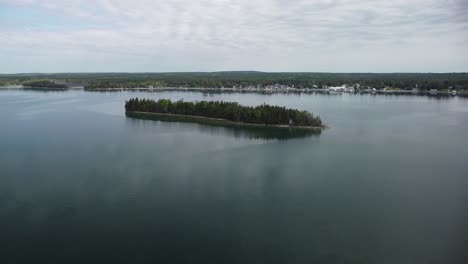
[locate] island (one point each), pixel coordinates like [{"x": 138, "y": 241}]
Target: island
[{"x": 223, "y": 112}]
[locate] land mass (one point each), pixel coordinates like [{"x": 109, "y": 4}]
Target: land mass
[
  {"x": 250, "y": 81},
  {"x": 224, "y": 113}
]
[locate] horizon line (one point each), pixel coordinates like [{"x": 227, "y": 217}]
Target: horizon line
[{"x": 224, "y": 71}]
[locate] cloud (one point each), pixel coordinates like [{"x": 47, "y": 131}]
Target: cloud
[{"x": 270, "y": 35}]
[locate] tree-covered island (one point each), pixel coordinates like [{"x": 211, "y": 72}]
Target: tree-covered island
[{"x": 230, "y": 112}]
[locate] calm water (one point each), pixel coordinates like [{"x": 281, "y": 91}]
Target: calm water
[{"x": 80, "y": 182}]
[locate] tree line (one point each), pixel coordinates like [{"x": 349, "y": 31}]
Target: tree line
[
  {"x": 421, "y": 82},
  {"x": 45, "y": 84},
  {"x": 262, "y": 114},
  {"x": 405, "y": 81}
]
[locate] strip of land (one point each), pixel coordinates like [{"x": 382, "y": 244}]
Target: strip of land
[
  {"x": 210, "y": 120},
  {"x": 252, "y": 81},
  {"x": 225, "y": 112}
]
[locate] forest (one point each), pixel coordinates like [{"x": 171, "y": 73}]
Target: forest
[
  {"x": 404, "y": 81},
  {"x": 231, "y": 111},
  {"x": 45, "y": 84}
]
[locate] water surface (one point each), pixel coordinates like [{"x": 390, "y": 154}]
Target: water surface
[{"x": 80, "y": 182}]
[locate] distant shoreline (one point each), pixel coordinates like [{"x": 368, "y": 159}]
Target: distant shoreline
[
  {"x": 452, "y": 83},
  {"x": 218, "y": 121},
  {"x": 242, "y": 90},
  {"x": 272, "y": 91}
]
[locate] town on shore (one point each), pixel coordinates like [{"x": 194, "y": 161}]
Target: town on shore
[
  {"x": 275, "y": 88},
  {"x": 278, "y": 88}
]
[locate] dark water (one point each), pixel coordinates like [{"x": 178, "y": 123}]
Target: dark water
[{"x": 81, "y": 183}]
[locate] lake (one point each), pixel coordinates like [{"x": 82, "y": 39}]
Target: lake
[{"x": 82, "y": 183}]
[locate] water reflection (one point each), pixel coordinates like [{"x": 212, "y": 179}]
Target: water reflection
[
  {"x": 265, "y": 133},
  {"x": 237, "y": 131}
]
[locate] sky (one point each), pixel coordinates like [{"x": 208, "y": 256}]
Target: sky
[{"x": 219, "y": 35}]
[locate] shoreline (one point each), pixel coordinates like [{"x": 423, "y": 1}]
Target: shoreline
[
  {"x": 273, "y": 91},
  {"x": 247, "y": 90},
  {"x": 219, "y": 121}
]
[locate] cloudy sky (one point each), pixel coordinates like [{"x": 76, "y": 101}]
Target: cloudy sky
[{"x": 213, "y": 35}]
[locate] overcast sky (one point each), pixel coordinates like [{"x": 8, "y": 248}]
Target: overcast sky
[{"x": 214, "y": 35}]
